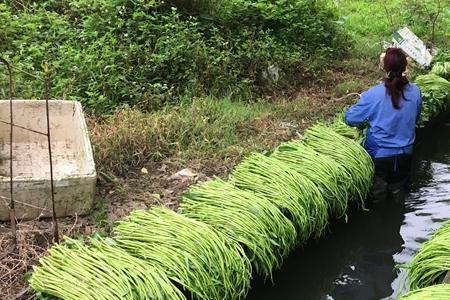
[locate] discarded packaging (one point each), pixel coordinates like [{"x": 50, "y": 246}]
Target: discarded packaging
[{"x": 413, "y": 46}]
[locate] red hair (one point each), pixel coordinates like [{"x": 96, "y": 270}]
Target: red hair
[{"x": 395, "y": 64}]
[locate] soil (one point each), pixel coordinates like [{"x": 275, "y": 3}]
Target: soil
[{"x": 158, "y": 184}]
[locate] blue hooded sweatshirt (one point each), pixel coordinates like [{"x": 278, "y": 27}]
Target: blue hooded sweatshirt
[{"x": 391, "y": 131}]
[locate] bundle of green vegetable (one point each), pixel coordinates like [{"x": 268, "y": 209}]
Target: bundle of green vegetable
[
  {"x": 441, "y": 56},
  {"x": 348, "y": 153},
  {"x": 435, "y": 93},
  {"x": 254, "y": 222},
  {"x": 339, "y": 126},
  {"x": 435, "y": 292},
  {"x": 204, "y": 261},
  {"x": 330, "y": 177},
  {"x": 432, "y": 262},
  {"x": 294, "y": 193},
  {"x": 442, "y": 69},
  {"x": 101, "y": 271}
]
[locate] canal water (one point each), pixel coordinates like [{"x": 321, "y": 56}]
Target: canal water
[{"x": 356, "y": 260}]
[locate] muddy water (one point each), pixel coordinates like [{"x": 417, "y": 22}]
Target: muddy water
[{"x": 356, "y": 260}]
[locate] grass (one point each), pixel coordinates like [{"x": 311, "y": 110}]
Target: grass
[
  {"x": 100, "y": 212},
  {"x": 205, "y": 128},
  {"x": 349, "y": 86},
  {"x": 370, "y": 23},
  {"x": 367, "y": 24},
  {"x": 129, "y": 138}
]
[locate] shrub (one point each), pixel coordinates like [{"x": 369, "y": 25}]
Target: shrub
[{"x": 108, "y": 53}]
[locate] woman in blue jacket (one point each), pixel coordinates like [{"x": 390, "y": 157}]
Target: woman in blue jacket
[{"x": 391, "y": 110}]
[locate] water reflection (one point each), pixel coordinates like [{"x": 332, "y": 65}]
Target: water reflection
[
  {"x": 426, "y": 210},
  {"x": 356, "y": 261},
  {"x": 373, "y": 261},
  {"x": 346, "y": 264}
]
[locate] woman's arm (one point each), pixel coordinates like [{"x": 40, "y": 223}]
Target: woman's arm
[
  {"x": 360, "y": 112},
  {"x": 419, "y": 106}
]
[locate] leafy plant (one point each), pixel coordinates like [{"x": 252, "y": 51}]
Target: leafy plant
[
  {"x": 428, "y": 16},
  {"x": 151, "y": 54}
]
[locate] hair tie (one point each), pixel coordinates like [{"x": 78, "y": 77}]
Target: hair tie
[{"x": 394, "y": 74}]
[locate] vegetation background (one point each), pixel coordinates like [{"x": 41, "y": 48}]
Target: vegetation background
[
  {"x": 186, "y": 74},
  {"x": 196, "y": 84}
]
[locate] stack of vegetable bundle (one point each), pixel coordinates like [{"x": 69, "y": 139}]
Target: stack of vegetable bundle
[
  {"x": 442, "y": 69},
  {"x": 254, "y": 222},
  {"x": 435, "y": 292},
  {"x": 432, "y": 262},
  {"x": 204, "y": 261},
  {"x": 339, "y": 126},
  {"x": 436, "y": 95},
  {"x": 330, "y": 177},
  {"x": 101, "y": 271},
  {"x": 270, "y": 204},
  {"x": 347, "y": 153},
  {"x": 441, "y": 64},
  {"x": 294, "y": 193}
]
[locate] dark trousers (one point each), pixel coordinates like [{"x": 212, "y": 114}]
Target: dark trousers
[{"x": 391, "y": 181}]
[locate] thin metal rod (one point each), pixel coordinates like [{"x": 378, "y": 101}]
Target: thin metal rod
[
  {"x": 11, "y": 123},
  {"x": 12, "y": 210},
  {"x": 27, "y": 73},
  {"x": 24, "y": 128},
  {"x": 52, "y": 188}
]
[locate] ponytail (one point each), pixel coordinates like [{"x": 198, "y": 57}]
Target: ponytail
[{"x": 395, "y": 64}]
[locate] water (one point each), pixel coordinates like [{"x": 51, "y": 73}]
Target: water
[{"x": 356, "y": 260}]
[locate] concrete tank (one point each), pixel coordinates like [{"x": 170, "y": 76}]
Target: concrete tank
[{"x": 73, "y": 164}]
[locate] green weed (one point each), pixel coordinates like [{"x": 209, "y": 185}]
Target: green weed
[
  {"x": 100, "y": 212},
  {"x": 370, "y": 23},
  {"x": 349, "y": 86},
  {"x": 205, "y": 129},
  {"x": 130, "y": 138}
]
